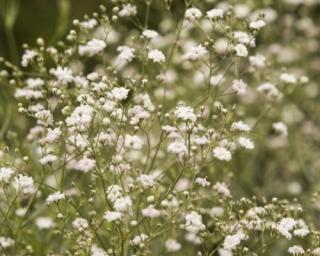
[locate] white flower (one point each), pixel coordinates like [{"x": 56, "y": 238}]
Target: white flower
[
  {"x": 196, "y": 52},
  {"x": 280, "y": 128},
  {"x": 156, "y": 56},
  {"x": 150, "y": 34},
  {"x": 215, "y": 13},
  {"x": 97, "y": 251},
  {"x": 239, "y": 87},
  {"x": 81, "y": 117},
  {"x": 258, "y": 61},
  {"x": 146, "y": 180},
  {"x": 296, "y": 250},
  {"x": 48, "y": 159},
  {"x": 55, "y": 197},
  {"x": 6, "y": 174},
  {"x": 85, "y": 165},
  {"x": 222, "y": 154},
  {"x": 246, "y": 143},
  {"x": 111, "y": 216},
  {"x": 122, "y": 204},
  {"x": 150, "y": 212},
  {"x": 316, "y": 251},
  {"x": 126, "y": 53},
  {"x": 63, "y": 74},
  {"x": 80, "y": 224},
  {"x": 6, "y": 242},
  {"x": 232, "y": 241},
  {"x": 269, "y": 89},
  {"x": 301, "y": 232},
  {"x": 44, "y": 222},
  {"x": 139, "y": 239},
  {"x": 194, "y": 222},
  {"x": 178, "y": 148},
  {"x": 193, "y": 14},
  {"x": 202, "y": 182},
  {"x": 133, "y": 142},
  {"x": 120, "y": 93},
  {"x": 89, "y": 24},
  {"x": 258, "y": 24},
  {"x": 92, "y": 47},
  {"x": 222, "y": 189},
  {"x": 114, "y": 192},
  {"x": 44, "y": 117},
  {"x": 288, "y": 78},
  {"x": 128, "y": 10},
  {"x": 23, "y": 183},
  {"x": 243, "y": 38},
  {"x": 241, "y": 50},
  {"x": 185, "y": 113},
  {"x": 27, "y": 57},
  {"x": 172, "y": 245},
  {"x": 285, "y": 225}
]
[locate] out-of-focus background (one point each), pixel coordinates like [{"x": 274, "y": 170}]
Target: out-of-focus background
[{"x": 24, "y": 21}]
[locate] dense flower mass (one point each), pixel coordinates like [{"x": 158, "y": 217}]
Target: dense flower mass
[{"x": 145, "y": 127}]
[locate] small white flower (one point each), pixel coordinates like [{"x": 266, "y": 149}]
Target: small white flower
[
  {"x": 150, "y": 34},
  {"x": 185, "y": 113},
  {"x": 178, "y": 148},
  {"x": 6, "y": 174},
  {"x": 139, "y": 239},
  {"x": 241, "y": 50},
  {"x": 280, "y": 128},
  {"x": 202, "y": 182},
  {"x": 193, "y": 14},
  {"x": 6, "y": 242},
  {"x": 246, "y": 143},
  {"x": 48, "y": 159},
  {"x": 258, "y": 61},
  {"x": 215, "y": 13},
  {"x": 23, "y": 183},
  {"x": 150, "y": 212},
  {"x": 232, "y": 241},
  {"x": 239, "y": 87},
  {"x": 63, "y": 74},
  {"x": 222, "y": 189},
  {"x": 55, "y": 197},
  {"x": 128, "y": 10},
  {"x": 288, "y": 78},
  {"x": 80, "y": 224},
  {"x": 172, "y": 245},
  {"x": 44, "y": 223},
  {"x": 285, "y": 225},
  {"x": 222, "y": 154},
  {"x": 126, "y": 53},
  {"x": 27, "y": 57},
  {"x": 194, "y": 222},
  {"x": 195, "y": 53},
  {"x": 120, "y": 93},
  {"x": 296, "y": 250},
  {"x": 92, "y": 47},
  {"x": 133, "y": 142},
  {"x": 123, "y": 204},
  {"x": 146, "y": 180},
  {"x": 258, "y": 24},
  {"x": 156, "y": 56},
  {"x": 111, "y": 216}
]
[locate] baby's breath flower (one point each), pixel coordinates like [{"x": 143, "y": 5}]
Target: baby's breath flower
[
  {"x": 296, "y": 250},
  {"x": 55, "y": 197},
  {"x": 222, "y": 154},
  {"x": 156, "y": 56}
]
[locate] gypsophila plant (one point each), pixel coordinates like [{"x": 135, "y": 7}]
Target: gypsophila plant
[{"x": 139, "y": 119}]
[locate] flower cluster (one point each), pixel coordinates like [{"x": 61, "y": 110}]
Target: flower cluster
[{"x": 138, "y": 133}]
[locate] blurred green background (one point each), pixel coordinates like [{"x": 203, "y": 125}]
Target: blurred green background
[{"x": 23, "y": 21}]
